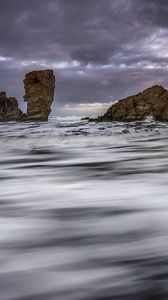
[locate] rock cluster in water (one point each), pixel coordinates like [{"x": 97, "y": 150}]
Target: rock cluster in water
[
  {"x": 39, "y": 95},
  {"x": 151, "y": 102},
  {"x": 9, "y": 110}
]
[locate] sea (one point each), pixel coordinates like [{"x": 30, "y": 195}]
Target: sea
[{"x": 83, "y": 210}]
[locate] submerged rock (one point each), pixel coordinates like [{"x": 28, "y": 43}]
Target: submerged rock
[
  {"x": 39, "y": 94},
  {"x": 9, "y": 110},
  {"x": 151, "y": 102},
  {"x": 85, "y": 119}
]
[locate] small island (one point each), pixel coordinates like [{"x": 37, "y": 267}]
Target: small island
[
  {"x": 151, "y": 102},
  {"x": 39, "y": 94}
]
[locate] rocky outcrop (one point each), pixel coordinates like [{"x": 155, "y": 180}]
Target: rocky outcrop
[
  {"x": 39, "y": 94},
  {"x": 9, "y": 110},
  {"x": 151, "y": 102}
]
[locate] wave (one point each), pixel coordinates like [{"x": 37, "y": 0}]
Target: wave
[{"x": 83, "y": 210}]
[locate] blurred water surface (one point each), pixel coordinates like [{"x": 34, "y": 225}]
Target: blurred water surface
[{"x": 83, "y": 210}]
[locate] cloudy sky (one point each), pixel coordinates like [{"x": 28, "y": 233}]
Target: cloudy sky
[{"x": 100, "y": 50}]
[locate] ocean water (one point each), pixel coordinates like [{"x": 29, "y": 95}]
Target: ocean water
[{"x": 83, "y": 210}]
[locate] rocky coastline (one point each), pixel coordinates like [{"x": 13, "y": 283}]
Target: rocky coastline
[{"x": 39, "y": 94}]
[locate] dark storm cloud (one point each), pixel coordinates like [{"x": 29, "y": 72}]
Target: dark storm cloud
[
  {"x": 97, "y": 48},
  {"x": 152, "y": 11}
]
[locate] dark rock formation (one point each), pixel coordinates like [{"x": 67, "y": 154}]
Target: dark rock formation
[
  {"x": 151, "y": 102},
  {"x": 9, "y": 110},
  {"x": 39, "y": 94}
]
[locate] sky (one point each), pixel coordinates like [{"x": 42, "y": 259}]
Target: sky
[{"x": 100, "y": 50}]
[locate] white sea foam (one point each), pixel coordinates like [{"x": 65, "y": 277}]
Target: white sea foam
[{"x": 83, "y": 210}]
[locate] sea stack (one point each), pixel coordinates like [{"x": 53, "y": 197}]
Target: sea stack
[
  {"x": 151, "y": 102},
  {"x": 39, "y": 94},
  {"x": 9, "y": 110}
]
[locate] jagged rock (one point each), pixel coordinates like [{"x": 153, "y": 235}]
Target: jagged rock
[
  {"x": 39, "y": 94},
  {"x": 85, "y": 119},
  {"x": 9, "y": 110},
  {"x": 151, "y": 102}
]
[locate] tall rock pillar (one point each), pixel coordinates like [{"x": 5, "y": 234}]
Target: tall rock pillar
[{"x": 39, "y": 94}]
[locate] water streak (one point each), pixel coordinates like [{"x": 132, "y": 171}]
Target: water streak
[{"x": 83, "y": 210}]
